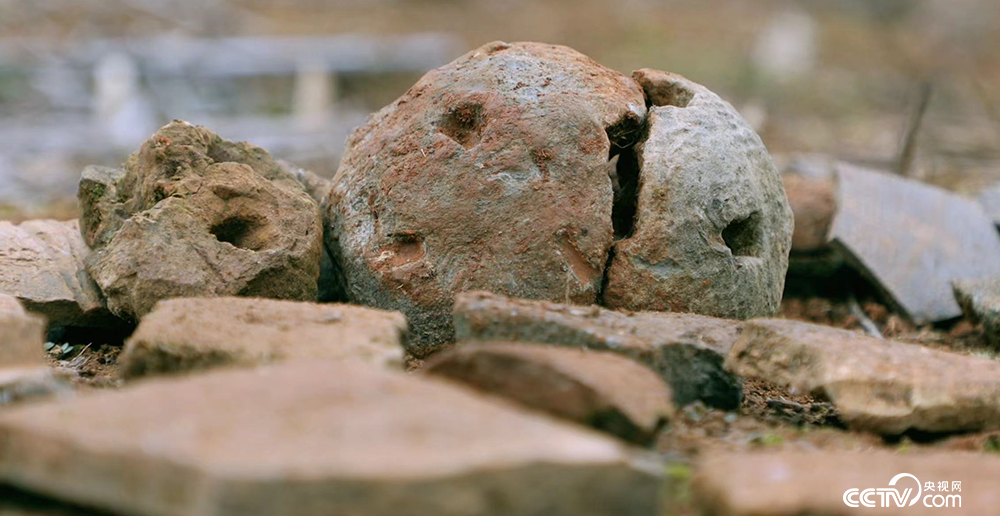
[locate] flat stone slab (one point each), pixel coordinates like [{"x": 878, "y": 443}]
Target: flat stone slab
[
  {"x": 980, "y": 300},
  {"x": 42, "y": 264},
  {"x": 687, "y": 350},
  {"x": 791, "y": 484},
  {"x": 24, "y": 375},
  {"x": 912, "y": 240},
  {"x": 989, "y": 199},
  {"x": 197, "y": 333},
  {"x": 602, "y": 389},
  {"x": 31, "y": 383},
  {"x": 315, "y": 438},
  {"x": 813, "y": 203},
  {"x": 10, "y": 304},
  {"x": 878, "y": 385},
  {"x": 21, "y": 336}
]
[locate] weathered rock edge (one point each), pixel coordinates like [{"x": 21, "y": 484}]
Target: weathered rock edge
[
  {"x": 308, "y": 438},
  {"x": 687, "y": 350},
  {"x": 193, "y": 214}
]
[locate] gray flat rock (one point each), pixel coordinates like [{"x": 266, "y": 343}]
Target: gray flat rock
[
  {"x": 793, "y": 484},
  {"x": 687, "y": 350},
  {"x": 598, "y": 388},
  {"x": 912, "y": 239},
  {"x": 42, "y": 264},
  {"x": 877, "y": 385},
  {"x": 197, "y": 333},
  {"x": 989, "y": 199},
  {"x": 24, "y": 375},
  {"x": 980, "y": 300},
  {"x": 315, "y": 438}
]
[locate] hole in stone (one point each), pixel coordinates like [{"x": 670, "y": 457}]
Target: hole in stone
[
  {"x": 464, "y": 124},
  {"x": 241, "y": 232},
  {"x": 625, "y": 185},
  {"x": 741, "y": 236}
]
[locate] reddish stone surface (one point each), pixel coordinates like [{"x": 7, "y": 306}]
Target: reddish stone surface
[{"x": 489, "y": 173}]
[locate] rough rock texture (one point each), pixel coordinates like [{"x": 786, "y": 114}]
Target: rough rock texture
[
  {"x": 489, "y": 173},
  {"x": 42, "y": 264},
  {"x": 607, "y": 391},
  {"x": 912, "y": 240},
  {"x": 311, "y": 438},
  {"x": 319, "y": 189},
  {"x": 687, "y": 350},
  {"x": 23, "y": 371},
  {"x": 794, "y": 484},
  {"x": 878, "y": 385},
  {"x": 980, "y": 300},
  {"x": 196, "y": 215},
  {"x": 813, "y": 203},
  {"x": 198, "y": 333},
  {"x": 712, "y": 227}
]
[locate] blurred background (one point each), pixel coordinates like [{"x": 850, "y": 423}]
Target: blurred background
[{"x": 86, "y": 81}]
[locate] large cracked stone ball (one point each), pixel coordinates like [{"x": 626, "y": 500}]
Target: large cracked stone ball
[
  {"x": 192, "y": 214},
  {"x": 514, "y": 170}
]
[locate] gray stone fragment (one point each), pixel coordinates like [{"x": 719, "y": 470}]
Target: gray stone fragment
[
  {"x": 687, "y": 350},
  {"x": 980, "y": 300},
  {"x": 878, "y": 385},
  {"x": 42, "y": 264},
  {"x": 24, "y": 375},
  {"x": 796, "y": 484},
  {"x": 188, "y": 334},
  {"x": 713, "y": 228},
  {"x": 316, "y": 438},
  {"x": 912, "y": 240},
  {"x": 989, "y": 199},
  {"x": 597, "y": 388},
  {"x": 197, "y": 215},
  {"x": 102, "y": 203}
]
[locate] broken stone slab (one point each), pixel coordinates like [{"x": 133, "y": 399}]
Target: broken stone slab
[
  {"x": 712, "y": 227},
  {"x": 42, "y": 264},
  {"x": 877, "y": 385},
  {"x": 813, "y": 203},
  {"x": 980, "y": 300},
  {"x": 989, "y": 200},
  {"x": 792, "y": 484},
  {"x": 912, "y": 240},
  {"x": 21, "y": 336},
  {"x": 314, "y": 437},
  {"x": 687, "y": 350},
  {"x": 10, "y": 304},
  {"x": 24, "y": 374},
  {"x": 602, "y": 389},
  {"x": 196, "y": 215},
  {"x": 198, "y": 333}
]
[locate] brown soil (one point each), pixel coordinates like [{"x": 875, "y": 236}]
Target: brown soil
[{"x": 91, "y": 366}]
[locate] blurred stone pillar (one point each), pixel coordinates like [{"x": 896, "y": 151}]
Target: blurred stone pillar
[
  {"x": 314, "y": 95},
  {"x": 121, "y": 109}
]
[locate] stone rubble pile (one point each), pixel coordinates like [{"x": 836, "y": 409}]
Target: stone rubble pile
[{"x": 576, "y": 261}]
